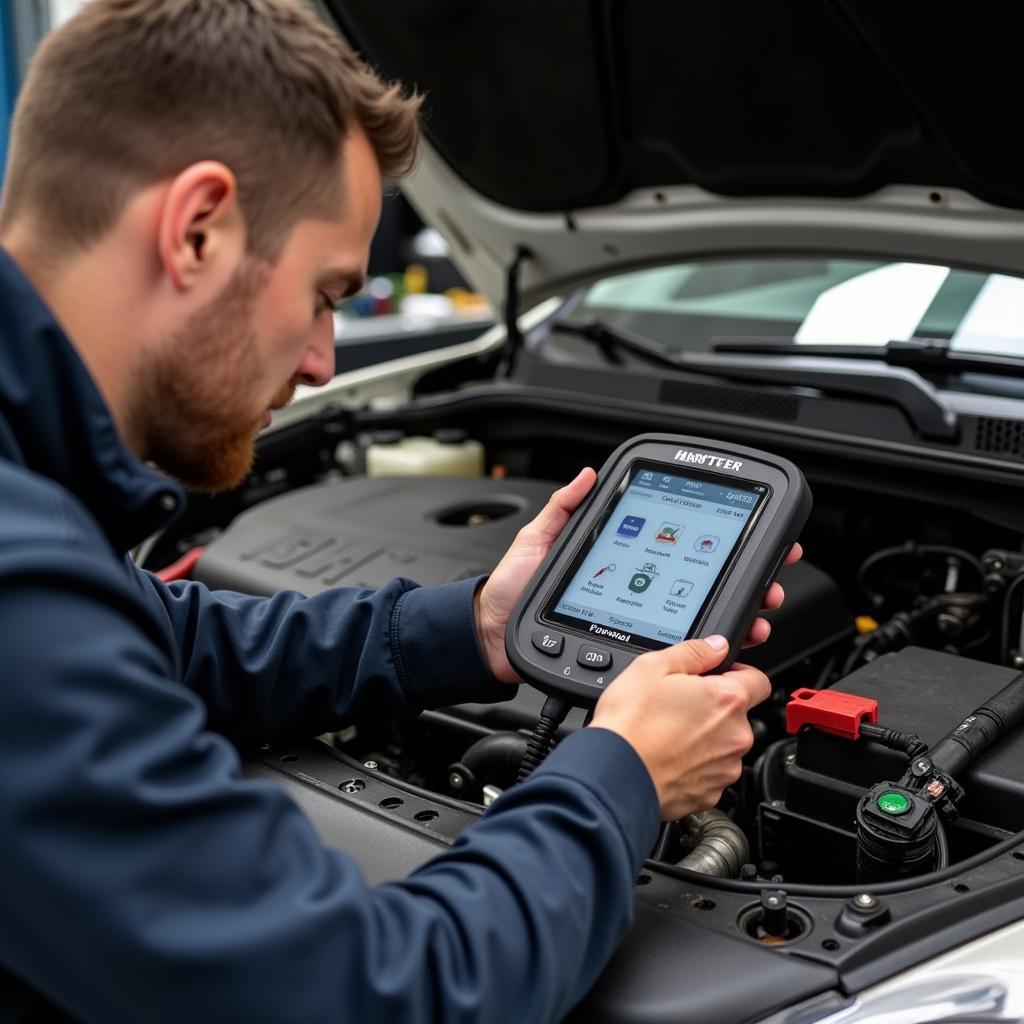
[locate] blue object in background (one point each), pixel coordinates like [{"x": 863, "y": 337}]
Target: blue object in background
[
  {"x": 22, "y": 24},
  {"x": 8, "y": 77}
]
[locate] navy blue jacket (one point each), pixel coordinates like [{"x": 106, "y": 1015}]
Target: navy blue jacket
[{"x": 141, "y": 877}]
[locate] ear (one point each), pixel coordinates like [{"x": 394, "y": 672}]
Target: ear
[{"x": 201, "y": 232}]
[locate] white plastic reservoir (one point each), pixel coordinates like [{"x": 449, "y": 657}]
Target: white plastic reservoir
[{"x": 447, "y": 453}]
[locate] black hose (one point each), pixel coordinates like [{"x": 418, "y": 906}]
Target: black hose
[
  {"x": 890, "y": 636},
  {"x": 870, "y": 562},
  {"x": 941, "y": 844},
  {"x": 769, "y": 769},
  {"x": 980, "y": 730},
  {"x": 859, "y": 646},
  {"x": 825, "y": 676},
  {"x": 494, "y": 755},
  {"x": 1004, "y": 637},
  {"x": 911, "y": 550},
  {"x": 664, "y": 842}
]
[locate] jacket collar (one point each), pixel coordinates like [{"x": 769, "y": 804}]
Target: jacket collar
[{"x": 54, "y": 421}]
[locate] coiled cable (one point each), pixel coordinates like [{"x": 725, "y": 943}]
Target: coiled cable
[{"x": 543, "y": 739}]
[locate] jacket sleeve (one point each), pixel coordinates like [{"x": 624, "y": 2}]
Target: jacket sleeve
[
  {"x": 144, "y": 879},
  {"x": 303, "y": 665}
]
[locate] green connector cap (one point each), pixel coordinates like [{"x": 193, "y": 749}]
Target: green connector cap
[{"x": 892, "y": 802}]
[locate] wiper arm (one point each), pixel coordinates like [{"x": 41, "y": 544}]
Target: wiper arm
[
  {"x": 934, "y": 355},
  {"x": 611, "y": 340},
  {"x": 899, "y": 385}
]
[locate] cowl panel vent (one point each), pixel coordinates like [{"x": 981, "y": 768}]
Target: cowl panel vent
[
  {"x": 1000, "y": 437},
  {"x": 739, "y": 402}
]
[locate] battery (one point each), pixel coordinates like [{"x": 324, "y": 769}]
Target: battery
[{"x": 927, "y": 693}]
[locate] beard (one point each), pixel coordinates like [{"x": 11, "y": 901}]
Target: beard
[{"x": 195, "y": 407}]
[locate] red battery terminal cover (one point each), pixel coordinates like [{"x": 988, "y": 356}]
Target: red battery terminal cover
[{"x": 831, "y": 711}]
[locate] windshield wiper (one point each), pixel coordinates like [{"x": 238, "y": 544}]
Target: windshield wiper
[
  {"x": 612, "y": 340},
  {"x": 900, "y": 385},
  {"x": 929, "y": 355}
]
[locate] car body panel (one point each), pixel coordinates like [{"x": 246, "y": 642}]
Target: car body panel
[{"x": 602, "y": 135}]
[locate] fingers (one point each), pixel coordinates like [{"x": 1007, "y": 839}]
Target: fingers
[
  {"x": 760, "y": 630},
  {"x": 752, "y": 681},
  {"x": 775, "y": 595},
  {"x": 694, "y": 657},
  {"x": 773, "y": 598},
  {"x": 555, "y": 514},
  {"x": 567, "y": 498}
]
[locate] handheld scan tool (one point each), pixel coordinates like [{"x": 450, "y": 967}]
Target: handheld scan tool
[{"x": 680, "y": 537}]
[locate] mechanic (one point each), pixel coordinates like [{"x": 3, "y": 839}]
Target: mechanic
[{"x": 192, "y": 185}]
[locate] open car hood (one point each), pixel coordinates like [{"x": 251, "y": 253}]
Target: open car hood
[{"x": 603, "y": 134}]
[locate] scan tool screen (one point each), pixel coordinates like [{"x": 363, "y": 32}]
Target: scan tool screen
[{"x": 656, "y": 556}]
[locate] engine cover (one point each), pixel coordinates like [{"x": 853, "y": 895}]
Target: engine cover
[{"x": 365, "y": 531}]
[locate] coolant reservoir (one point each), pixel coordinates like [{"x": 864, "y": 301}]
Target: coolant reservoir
[{"x": 446, "y": 453}]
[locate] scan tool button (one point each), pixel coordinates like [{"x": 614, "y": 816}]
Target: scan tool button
[
  {"x": 594, "y": 657},
  {"x": 548, "y": 643}
]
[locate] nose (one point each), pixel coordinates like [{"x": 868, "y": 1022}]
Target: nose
[{"x": 317, "y": 365}]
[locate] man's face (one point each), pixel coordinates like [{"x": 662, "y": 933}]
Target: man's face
[{"x": 207, "y": 390}]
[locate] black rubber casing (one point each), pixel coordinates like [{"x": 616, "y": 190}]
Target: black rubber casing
[{"x": 731, "y": 607}]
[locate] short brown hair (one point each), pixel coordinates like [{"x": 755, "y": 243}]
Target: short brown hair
[{"x": 130, "y": 92}]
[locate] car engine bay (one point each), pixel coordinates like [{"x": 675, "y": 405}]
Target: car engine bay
[{"x": 911, "y": 594}]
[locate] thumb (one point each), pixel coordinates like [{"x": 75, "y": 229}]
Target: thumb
[
  {"x": 695, "y": 657},
  {"x": 555, "y": 514}
]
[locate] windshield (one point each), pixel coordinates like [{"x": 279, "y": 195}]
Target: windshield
[{"x": 831, "y": 301}]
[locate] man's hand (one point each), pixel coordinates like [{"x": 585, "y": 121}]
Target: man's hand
[
  {"x": 691, "y": 731},
  {"x": 495, "y": 600},
  {"x": 761, "y": 629}
]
